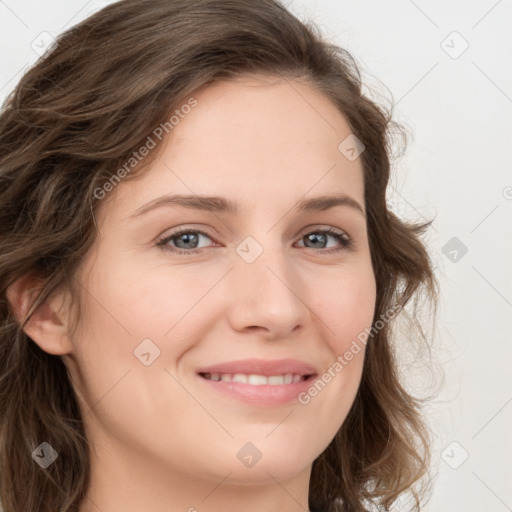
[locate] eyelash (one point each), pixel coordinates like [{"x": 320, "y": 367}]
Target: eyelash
[{"x": 345, "y": 241}]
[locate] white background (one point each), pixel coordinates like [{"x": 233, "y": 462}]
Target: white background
[{"x": 457, "y": 169}]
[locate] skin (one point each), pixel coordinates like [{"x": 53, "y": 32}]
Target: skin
[{"x": 162, "y": 439}]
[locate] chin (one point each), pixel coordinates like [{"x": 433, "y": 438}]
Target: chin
[
  {"x": 275, "y": 458},
  {"x": 280, "y": 467}
]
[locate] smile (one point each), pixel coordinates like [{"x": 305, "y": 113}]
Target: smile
[{"x": 255, "y": 379}]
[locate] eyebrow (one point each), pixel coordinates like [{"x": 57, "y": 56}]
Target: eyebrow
[{"x": 223, "y": 205}]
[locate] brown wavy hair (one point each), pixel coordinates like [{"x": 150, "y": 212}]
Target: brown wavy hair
[{"x": 74, "y": 119}]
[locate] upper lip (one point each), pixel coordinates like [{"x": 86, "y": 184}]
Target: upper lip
[{"x": 261, "y": 367}]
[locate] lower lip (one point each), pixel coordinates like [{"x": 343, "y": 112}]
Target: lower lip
[{"x": 265, "y": 395}]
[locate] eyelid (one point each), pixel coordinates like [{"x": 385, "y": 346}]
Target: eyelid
[
  {"x": 322, "y": 227},
  {"x": 166, "y": 236}
]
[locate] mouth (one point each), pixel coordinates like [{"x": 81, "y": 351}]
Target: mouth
[
  {"x": 264, "y": 383},
  {"x": 255, "y": 379}
]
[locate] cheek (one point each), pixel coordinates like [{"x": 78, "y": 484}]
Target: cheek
[
  {"x": 129, "y": 313},
  {"x": 137, "y": 301},
  {"x": 346, "y": 307},
  {"x": 176, "y": 307}
]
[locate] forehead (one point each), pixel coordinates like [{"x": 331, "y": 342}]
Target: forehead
[
  {"x": 253, "y": 139},
  {"x": 259, "y": 117}
]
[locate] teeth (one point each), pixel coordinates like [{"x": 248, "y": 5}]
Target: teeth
[{"x": 255, "y": 380}]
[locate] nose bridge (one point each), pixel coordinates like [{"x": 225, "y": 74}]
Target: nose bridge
[
  {"x": 263, "y": 258},
  {"x": 266, "y": 289}
]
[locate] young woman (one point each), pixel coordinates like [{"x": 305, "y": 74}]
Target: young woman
[{"x": 199, "y": 272}]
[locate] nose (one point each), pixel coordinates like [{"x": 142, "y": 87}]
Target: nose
[{"x": 267, "y": 296}]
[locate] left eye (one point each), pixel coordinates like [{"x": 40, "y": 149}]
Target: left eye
[
  {"x": 187, "y": 241},
  {"x": 322, "y": 236}
]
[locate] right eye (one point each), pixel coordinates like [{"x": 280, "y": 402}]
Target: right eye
[{"x": 183, "y": 237}]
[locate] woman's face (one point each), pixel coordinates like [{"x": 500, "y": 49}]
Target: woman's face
[{"x": 268, "y": 284}]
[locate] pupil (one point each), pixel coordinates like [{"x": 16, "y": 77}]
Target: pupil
[
  {"x": 187, "y": 237},
  {"x": 315, "y": 237}
]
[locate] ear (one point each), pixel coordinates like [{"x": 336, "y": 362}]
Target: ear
[{"x": 47, "y": 327}]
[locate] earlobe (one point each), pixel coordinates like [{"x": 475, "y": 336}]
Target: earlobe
[{"x": 46, "y": 327}]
